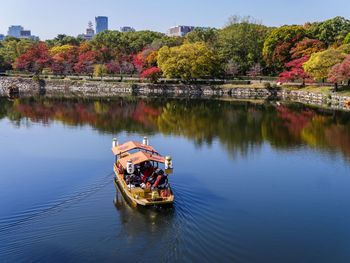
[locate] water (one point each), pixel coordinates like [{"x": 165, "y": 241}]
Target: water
[{"x": 253, "y": 182}]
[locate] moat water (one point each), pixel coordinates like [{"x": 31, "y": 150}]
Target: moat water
[{"x": 252, "y": 182}]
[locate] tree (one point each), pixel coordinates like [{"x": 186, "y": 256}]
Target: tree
[
  {"x": 279, "y": 43},
  {"x": 188, "y": 61},
  {"x": 307, "y": 47},
  {"x": 62, "y": 39},
  {"x": 242, "y": 41},
  {"x": 295, "y": 71},
  {"x": 135, "y": 42},
  {"x": 320, "y": 64},
  {"x": 255, "y": 70},
  {"x": 206, "y": 35},
  {"x": 100, "y": 70},
  {"x": 231, "y": 68},
  {"x": 35, "y": 59},
  {"x": 64, "y": 59},
  {"x": 86, "y": 61},
  {"x": 330, "y": 31},
  {"x": 340, "y": 72},
  {"x": 11, "y": 48},
  {"x": 153, "y": 74}
]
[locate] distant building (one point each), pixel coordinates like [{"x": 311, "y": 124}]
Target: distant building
[
  {"x": 101, "y": 23},
  {"x": 180, "y": 31},
  {"x": 90, "y": 32},
  {"x": 2, "y": 37},
  {"x": 127, "y": 29},
  {"x": 15, "y": 31},
  {"x": 20, "y": 32}
]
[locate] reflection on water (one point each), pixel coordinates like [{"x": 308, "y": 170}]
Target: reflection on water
[
  {"x": 252, "y": 182},
  {"x": 239, "y": 126}
]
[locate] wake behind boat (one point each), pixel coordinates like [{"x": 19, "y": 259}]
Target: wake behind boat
[{"x": 142, "y": 173}]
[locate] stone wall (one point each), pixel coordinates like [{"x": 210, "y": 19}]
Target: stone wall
[{"x": 70, "y": 88}]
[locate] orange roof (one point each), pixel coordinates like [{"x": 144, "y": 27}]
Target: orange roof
[
  {"x": 141, "y": 157},
  {"x": 131, "y": 146}
]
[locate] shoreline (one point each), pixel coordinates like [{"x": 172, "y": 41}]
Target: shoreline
[{"x": 15, "y": 86}]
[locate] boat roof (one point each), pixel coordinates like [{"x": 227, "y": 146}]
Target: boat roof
[
  {"x": 131, "y": 145},
  {"x": 140, "y": 157}
]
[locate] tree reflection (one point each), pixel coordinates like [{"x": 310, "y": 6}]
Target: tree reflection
[{"x": 238, "y": 126}]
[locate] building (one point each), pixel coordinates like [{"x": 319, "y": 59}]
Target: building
[
  {"x": 180, "y": 31},
  {"x": 15, "y": 31},
  {"x": 101, "y": 23},
  {"x": 90, "y": 32},
  {"x": 127, "y": 29},
  {"x": 2, "y": 37},
  {"x": 20, "y": 32}
]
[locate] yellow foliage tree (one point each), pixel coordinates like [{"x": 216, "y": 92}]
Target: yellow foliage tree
[
  {"x": 320, "y": 64},
  {"x": 189, "y": 61}
]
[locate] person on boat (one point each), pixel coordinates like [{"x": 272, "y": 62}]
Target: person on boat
[
  {"x": 161, "y": 181},
  {"x": 146, "y": 170}
]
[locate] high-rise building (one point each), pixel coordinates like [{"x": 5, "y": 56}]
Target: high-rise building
[
  {"x": 2, "y": 37},
  {"x": 127, "y": 29},
  {"x": 101, "y": 23},
  {"x": 15, "y": 31},
  {"x": 180, "y": 31}
]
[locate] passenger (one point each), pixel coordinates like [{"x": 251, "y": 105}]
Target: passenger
[
  {"x": 147, "y": 170},
  {"x": 161, "y": 181}
]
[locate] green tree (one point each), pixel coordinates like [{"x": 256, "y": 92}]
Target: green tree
[
  {"x": 134, "y": 42},
  {"x": 330, "y": 31},
  {"x": 242, "y": 41},
  {"x": 188, "y": 61},
  {"x": 11, "y": 48},
  {"x": 206, "y": 35},
  {"x": 320, "y": 64}
]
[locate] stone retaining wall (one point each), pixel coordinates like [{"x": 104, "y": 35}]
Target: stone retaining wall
[{"x": 69, "y": 88}]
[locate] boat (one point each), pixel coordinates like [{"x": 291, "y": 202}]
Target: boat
[{"x": 130, "y": 158}]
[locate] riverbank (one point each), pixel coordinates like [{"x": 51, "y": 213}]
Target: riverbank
[{"x": 15, "y": 86}]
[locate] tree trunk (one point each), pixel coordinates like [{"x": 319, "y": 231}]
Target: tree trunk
[{"x": 336, "y": 87}]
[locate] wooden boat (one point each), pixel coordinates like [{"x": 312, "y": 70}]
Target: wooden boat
[{"x": 129, "y": 157}]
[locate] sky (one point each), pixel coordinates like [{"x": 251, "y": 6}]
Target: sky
[{"x": 47, "y": 18}]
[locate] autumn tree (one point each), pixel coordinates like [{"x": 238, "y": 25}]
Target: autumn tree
[
  {"x": 100, "y": 70},
  {"x": 153, "y": 74},
  {"x": 35, "y": 59},
  {"x": 307, "y": 47},
  {"x": 64, "y": 59},
  {"x": 188, "y": 61},
  {"x": 320, "y": 64},
  {"x": 340, "y": 72},
  {"x": 294, "y": 71},
  {"x": 279, "y": 43}
]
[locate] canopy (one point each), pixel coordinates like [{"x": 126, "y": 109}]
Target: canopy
[
  {"x": 131, "y": 146},
  {"x": 141, "y": 157}
]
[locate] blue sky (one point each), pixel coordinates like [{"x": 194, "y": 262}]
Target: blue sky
[{"x": 47, "y": 18}]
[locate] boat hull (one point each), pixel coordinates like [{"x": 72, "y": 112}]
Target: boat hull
[{"x": 143, "y": 202}]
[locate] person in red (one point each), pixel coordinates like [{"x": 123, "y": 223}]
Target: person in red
[
  {"x": 146, "y": 170},
  {"x": 161, "y": 180}
]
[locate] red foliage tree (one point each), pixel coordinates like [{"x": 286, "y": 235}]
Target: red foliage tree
[
  {"x": 35, "y": 59},
  {"x": 86, "y": 61},
  {"x": 307, "y": 47},
  {"x": 63, "y": 62},
  {"x": 153, "y": 74},
  {"x": 340, "y": 72},
  {"x": 295, "y": 71},
  {"x": 113, "y": 67}
]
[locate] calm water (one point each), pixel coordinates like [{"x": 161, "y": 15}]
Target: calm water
[{"x": 253, "y": 183}]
